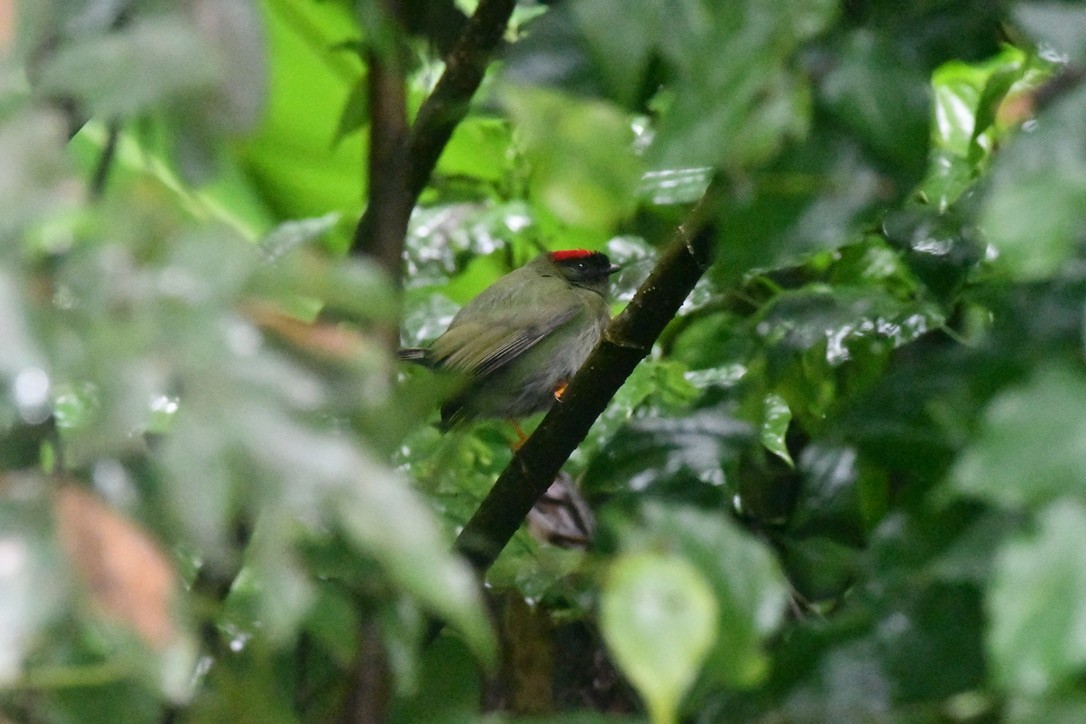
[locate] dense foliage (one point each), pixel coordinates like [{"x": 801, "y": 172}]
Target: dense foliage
[{"x": 848, "y": 483}]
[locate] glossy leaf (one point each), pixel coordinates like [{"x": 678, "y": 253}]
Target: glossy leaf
[
  {"x": 775, "y": 427},
  {"x": 661, "y": 451}
]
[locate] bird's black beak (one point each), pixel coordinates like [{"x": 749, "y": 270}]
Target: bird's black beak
[{"x": 612, "y": 269}]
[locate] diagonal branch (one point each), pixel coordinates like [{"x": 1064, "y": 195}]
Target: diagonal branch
[
  {"x": 433, "y": 127},
  {"x": 627, "y": 340}
]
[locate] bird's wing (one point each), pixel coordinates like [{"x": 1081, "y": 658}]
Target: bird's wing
[{"x": 480, "y": 348}]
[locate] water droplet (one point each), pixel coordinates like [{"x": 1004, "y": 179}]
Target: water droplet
[
  {"x": 13, "y": 557},
  {"x": 164, "y": 404},
  {"x": 238, "y": 642},
  {"x": 112, "y": 481},
  {"x": 31, "y": 392},
  {"x": 244, "y": 339}
]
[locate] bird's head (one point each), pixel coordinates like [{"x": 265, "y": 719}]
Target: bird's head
[{"x": 583, "y": 268}]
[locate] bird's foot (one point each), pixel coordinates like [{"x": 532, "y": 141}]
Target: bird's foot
[
  {"x": 560, "y": 389},
  {"x": 521, "y": 437}
]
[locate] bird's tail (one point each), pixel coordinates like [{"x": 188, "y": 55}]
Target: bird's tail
[{"x": 417, "y": 355}]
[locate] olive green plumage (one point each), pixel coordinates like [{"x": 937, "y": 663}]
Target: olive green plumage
[{"x": 523, "y": 337}]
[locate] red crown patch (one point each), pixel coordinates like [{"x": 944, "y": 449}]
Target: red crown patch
[{"x": 570, "y": 254}]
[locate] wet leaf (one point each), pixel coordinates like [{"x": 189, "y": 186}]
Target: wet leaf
[
  {"x": 651, "y": 451},
  {"x": 775, "y": 427}
]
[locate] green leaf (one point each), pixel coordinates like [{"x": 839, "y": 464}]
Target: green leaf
[
  {"x": 1035, "y": 210},
  {"x": 618, "y": 39},
  {"x": 1037, "y": 634},
  {"x": 1029, "y": 449},
  {"x": 745, "y": 579},
  {"x": 940, "y": 248},
  {"x": 33, "y": 579},
  {"x": 697, "y": 448},
  {"x": 808, "y": 199},
  {"x": 655, "y": 387},
  {"x": 775, "y": 427},
  {"x": 659, "y": 618},
  {"x": 809, "y": 331},
  {"x": 448, "y": 690},
  {"x": 583, "y": 167},
  {"x": 877, "y": 91},
  {"x": 145, "y": 64},
  {"x": 958, "y": 87},
  {"x": 479, "y": 149},
  {"x": 736, "y": 98}
]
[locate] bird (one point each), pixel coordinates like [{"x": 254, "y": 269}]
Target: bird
[{"x": 518, "y": 343}]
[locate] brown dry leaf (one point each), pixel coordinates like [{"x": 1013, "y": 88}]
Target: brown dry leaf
[
  {"x": 129, "y": 579},
  {"x": 328, "y": 341},
  {"x": 7, "y": 25}
]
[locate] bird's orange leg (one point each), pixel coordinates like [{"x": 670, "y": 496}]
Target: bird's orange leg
[
  {"x": 521, "y": 437},
  {"x": 559, "y": 390}
]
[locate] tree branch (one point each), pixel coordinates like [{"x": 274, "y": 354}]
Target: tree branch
[
  {"x": 438, "y": 117},
  {"x": 626, "y": 341},
  {"x": 389, "y": 206}
]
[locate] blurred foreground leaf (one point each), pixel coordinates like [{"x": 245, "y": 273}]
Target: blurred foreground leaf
[
  {"x": 659, "y": 619},
  {"x": 1037, "y": 638}
]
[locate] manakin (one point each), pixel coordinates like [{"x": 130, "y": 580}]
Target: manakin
[{"x": 519, "y": 342}]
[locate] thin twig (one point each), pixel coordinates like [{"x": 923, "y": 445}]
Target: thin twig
[
  {"x": 440, "y": 113},
  {"x": 105, "y": 161}
]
